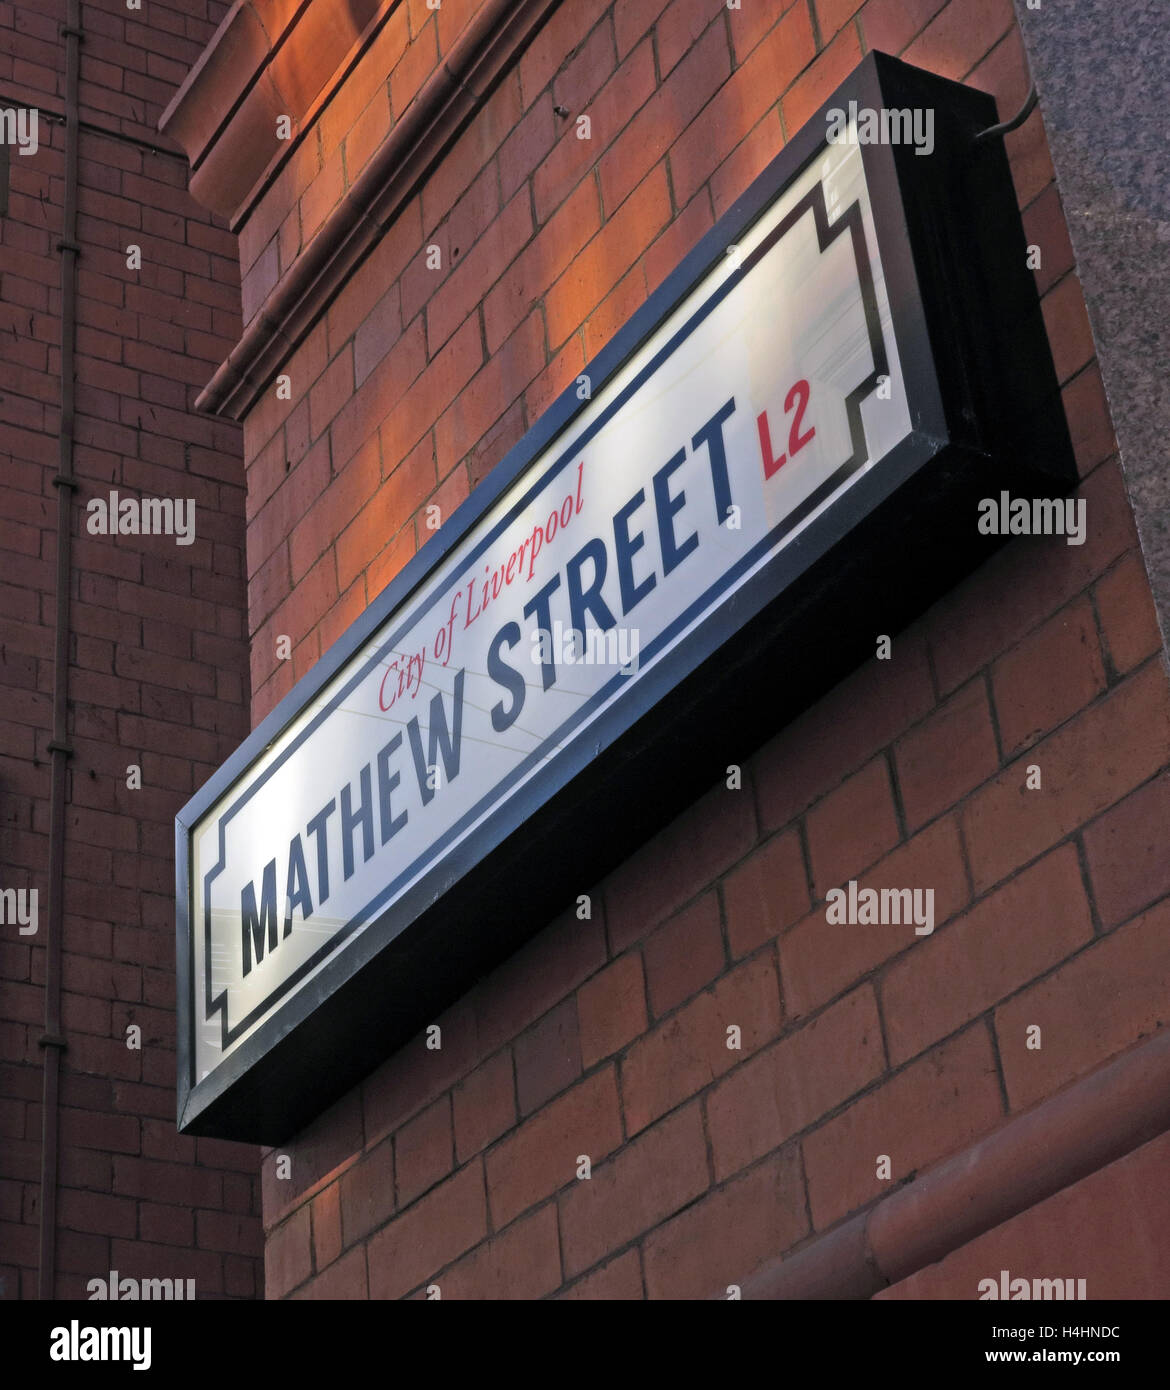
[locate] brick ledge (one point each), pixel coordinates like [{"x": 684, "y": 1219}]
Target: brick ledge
[
  {"x": 457, "y": 88},
  {"x": 1083, "y": 1128}
]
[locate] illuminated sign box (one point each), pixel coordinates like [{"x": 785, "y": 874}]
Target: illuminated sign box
[{"x": 779, "y": 458}]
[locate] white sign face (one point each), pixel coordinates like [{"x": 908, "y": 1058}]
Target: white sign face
[{"x": 772, "y": 387}]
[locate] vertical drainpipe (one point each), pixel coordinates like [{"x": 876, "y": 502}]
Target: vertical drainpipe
[{"x": 52, "y": 1042}]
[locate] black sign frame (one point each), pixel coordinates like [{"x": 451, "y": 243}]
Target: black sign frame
[{"x": 986, "y": 414}]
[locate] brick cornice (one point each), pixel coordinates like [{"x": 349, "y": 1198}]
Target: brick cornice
[
  {"x": 268, "y": 58},
  {"x": 488, "y": 44}
]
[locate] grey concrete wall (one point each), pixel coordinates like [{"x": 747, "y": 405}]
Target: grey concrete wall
[{"x": 1102, "y": 68}]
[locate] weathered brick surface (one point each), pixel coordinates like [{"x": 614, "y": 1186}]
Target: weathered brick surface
[
  {"x": 543, "y": 1156},
  {"x": 808, "y": 1073},
  {"x": 484, "y": 1105},
  {"x": 611, "y": 1008},
  {"x": 1015, "y": 934},
  {"x": 522, "y": 1262},
  {"x": 933, "y": 1107},
  {"x": 1107, "y": 998},
  {"x": 684, "y": 955},
  {"x": 662, "y": 1171},
  {"x": 620, "y": 1279},
  {"x": 690, "y": 1048},
  {"x": 447, "y": 1221},
  {"x": 158, "y": 654},
  {"x": 721, "y": 1239}
]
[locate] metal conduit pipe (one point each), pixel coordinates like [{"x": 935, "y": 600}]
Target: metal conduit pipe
[{"x": 51, "y": 1041}]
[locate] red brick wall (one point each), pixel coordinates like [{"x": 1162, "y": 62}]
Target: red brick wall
[
  {"x": 607, "y": 1037},
  {"x": 158, "y": 661}
]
